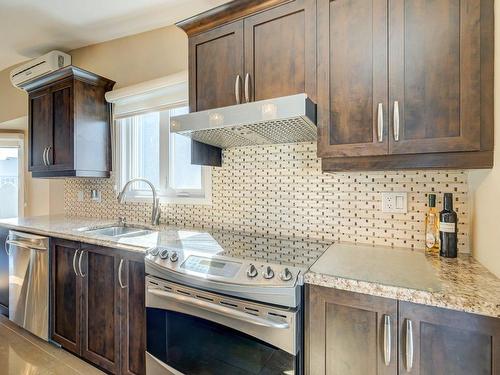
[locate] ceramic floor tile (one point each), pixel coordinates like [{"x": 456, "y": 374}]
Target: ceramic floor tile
[{"x": 23, "y": 354}]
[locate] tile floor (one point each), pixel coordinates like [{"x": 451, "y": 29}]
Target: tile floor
[{"x": 23, "y": 354}]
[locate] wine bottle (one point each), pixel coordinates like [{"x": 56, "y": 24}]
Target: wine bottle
[
  {"x": 432, "y": 226},
  {"x": 448, "y": 228}
]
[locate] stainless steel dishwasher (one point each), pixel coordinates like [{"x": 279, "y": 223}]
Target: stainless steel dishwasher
[{"x": 29, "y": 282}]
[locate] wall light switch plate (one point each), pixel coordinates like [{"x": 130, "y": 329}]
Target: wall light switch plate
[
  {"x": 396, "y": 203},
  {"x": 80, "y": 196}
]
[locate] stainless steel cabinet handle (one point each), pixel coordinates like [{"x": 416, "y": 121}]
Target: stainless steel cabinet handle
[
  {"x": 396, "y": 121},
  {"x": 409, "y": 345},
  {"x": 48, "y": 157},
  {"x": 120, "y": 269},
  {"x": 226, "y": 311},
  {"x": 6, "y": 245},
  {"x": 387, "y": 340},
  {"x": 237, "y": 89},
  {"x": 45, "y": 156},
  {"x": 74, "y": 262},
  {"x": 380, "y": 122},
  {"x": 80, "y": 264},
  {"x": 247, "y": 87}
]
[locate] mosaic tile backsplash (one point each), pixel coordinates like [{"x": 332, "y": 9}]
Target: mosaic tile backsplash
[{"x": 280, "y": 191}]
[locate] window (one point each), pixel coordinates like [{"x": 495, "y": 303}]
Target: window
[{"x": 146, "y": 148}]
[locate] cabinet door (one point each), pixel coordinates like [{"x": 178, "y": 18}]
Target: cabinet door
[
  {"x": 350, "y": 333},
  {"x": 40, "y": 128},
  {"x": 60, "y": 155},
  {"x": 215, "y": 62},
  {"x": 352, "y": 78},
  {"x": 441, "y": 341},
  {"x": 133, "y": 319},
  {"x": 280, "y": 51},
  {"x": 65, "y": 295},
  {"x": 4, "y": 273},
  {"x": 100, "y": 323},
  {"x": 434, "y": 75}
]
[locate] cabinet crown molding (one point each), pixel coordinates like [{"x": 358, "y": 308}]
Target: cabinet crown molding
[{"x": 224, "y": 14}]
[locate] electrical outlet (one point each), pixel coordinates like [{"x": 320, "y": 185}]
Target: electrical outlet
[
  {"x": 395, "y": 202},
  {"x": 95, "y": 195}
]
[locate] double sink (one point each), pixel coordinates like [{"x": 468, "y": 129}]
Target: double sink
[{"x": 118, "y": 231}]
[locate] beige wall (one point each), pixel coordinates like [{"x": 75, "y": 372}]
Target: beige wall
[
  {"x": 13, "y": 102},
  {"x": 485, "y": 186},
  {"x": 136, "y": 58}
]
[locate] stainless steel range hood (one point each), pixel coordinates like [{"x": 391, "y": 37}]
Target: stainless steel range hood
[{"x": 289, "y": 119}]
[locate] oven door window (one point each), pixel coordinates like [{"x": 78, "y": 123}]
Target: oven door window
[{"x": 193, "y": 346}]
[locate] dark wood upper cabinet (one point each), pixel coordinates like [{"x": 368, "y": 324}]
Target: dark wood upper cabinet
[
  {"x": 347, "y": 333},
  {"x": 405, "y": 84},
  {"x": 40, "y": 122},
  {"x": 66, "y": 291},
  {"x": 352, "y": 78},
  {"x": 266, "y": 51},
  {"x": 69, "y": 124},
  {"x": 435, "y": 75},
  {"x": 447, "y": 342},
  {"x": 100, "y": 308},
  {"x": 280, "y": 51},
  {"x": 215, "y": 66}
]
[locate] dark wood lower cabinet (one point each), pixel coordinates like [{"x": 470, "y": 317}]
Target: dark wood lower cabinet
[
  {"x": 345, "y": 336},
  {"x": 133, "y": 316},
  {"x": 4, "y": 274},
  {"x": 345, "y": 333},
  {"x": 101, "y": 321},
  {"x": 98, "y": 305},
  {"x": 66, "y": 290},
  {"x": 447, "y": 342}
]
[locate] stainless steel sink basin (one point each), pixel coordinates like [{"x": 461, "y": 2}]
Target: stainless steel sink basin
[{"x": 120, "y": 231}]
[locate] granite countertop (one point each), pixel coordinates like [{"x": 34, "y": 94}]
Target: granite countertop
[
  {"x": 73, "y": 229},
  {"x": 296, "y": 252},
  {"x": 461, "y": 284},
  {"x": 407, "y": 275}
]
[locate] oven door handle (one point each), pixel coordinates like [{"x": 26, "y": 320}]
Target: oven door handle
[{"x": 226, "y": 311}]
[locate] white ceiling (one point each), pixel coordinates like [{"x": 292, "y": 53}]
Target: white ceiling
[{"x": 29, "y": 28}]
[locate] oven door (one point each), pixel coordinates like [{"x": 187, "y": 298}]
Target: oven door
[{"x": 190, "y": 332}]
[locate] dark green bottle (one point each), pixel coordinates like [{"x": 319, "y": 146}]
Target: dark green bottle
[{"x": 448, "y": 228}]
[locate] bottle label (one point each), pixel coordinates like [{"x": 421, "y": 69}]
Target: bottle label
[
  {"x": 447, "y": 227},
  {"x": 430, "y": 240}
]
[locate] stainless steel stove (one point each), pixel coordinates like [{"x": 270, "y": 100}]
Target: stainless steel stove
[{"x": 216, "y": 305}]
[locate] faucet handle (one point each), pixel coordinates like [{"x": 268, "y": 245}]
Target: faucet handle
[{"x": 121, "y": 220}]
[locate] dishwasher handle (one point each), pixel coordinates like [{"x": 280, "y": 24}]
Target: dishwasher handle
[{"x": 24, "y": 245}]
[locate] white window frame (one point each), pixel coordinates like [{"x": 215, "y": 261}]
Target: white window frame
[{"x": 165, "y": 192}]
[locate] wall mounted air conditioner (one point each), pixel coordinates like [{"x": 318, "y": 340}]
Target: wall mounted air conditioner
[{"x": 40, "y": 66}]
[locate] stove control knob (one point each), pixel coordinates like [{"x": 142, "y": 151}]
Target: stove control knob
[
  {"x": 154, "y": 252},
  {"x": 268, "y": 273},
  {"x": 174, "y": 257},
  {"x": 252, "y": 271},
  {"x": 286, "y": 275},
  {"x": 164, "y": 254}
]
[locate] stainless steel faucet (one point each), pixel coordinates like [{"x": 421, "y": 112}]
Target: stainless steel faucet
[{"x": 156, "y": 213}]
